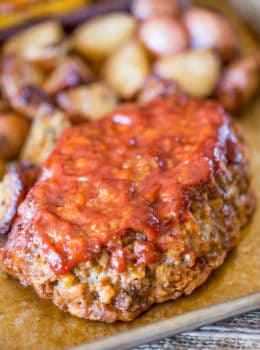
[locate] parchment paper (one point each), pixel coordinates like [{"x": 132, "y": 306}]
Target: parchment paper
[{"x": 26, "y": 322}]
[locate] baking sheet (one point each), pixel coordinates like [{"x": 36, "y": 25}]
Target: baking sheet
[{"x": 26, "y": 322}]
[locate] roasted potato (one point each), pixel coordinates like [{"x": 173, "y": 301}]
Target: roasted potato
[
  {"x": 239, "y": 82},
  {"x": 11, "y": 194},
  {"x": 39, "y": 44},
  {"x": 34, "y": 100},
  {"x": 91, "y": 102},
  {"x": 45, "y": 131},
  {"x": 13, "y": 188},
  {"x": 48, "y": 58},
  {"x": 13, "y": 131},
  {"x": 17, "y": 73},
  {"x": 163, "y": 36},
  {"x": 144, "y": 9},
  {"x": 197, "y": 72},
  {"x": 70, "y": 72},
  {"x": 127, "y": 68},
  {"x": 100, "y": 36},
  {"x": 210, "y": 30},
  {"x": 16, "y": 76}
]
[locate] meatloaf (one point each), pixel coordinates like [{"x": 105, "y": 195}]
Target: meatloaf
[{"x": 135, "y": 209}]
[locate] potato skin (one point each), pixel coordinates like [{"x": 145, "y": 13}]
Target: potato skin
[
  {"x": 210, "y": 30},
  {"x": 163, "y": 36},
  {"x": 13, "y": 131}
]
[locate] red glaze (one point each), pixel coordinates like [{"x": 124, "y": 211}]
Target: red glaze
[{"x": 128, "y": 171}]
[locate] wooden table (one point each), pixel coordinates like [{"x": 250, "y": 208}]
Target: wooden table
[{"x": 241, "y": 332}]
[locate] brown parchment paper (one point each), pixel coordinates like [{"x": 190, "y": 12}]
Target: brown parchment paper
[{"x": 26, "y": 322}]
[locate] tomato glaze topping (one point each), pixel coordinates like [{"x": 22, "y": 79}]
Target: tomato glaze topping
[{"x": 128, "y": 172}]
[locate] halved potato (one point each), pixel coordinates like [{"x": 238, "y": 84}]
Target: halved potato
[
  {"x": 92, "y": 101},
  {"x": 47, "y": 58},
  {"x": 143, "y": 9},
  {"x": 43, "y": 135},
  {"x": 11, "y": 195},
  {"x": 16, "y": 76},
  {"x": 127, "y": 68},
  {"x": 13, "y": 131},
  {"x": 40, "y": 44},
  {"x": 70, "y": 72},
  {"x": 197, "y": 72},
  {"x": 13, "y": 188},
  {"x": 16, "y": 73},
  {"x": 239, "y": 82},
  {"x": 99, "y": 37},
  {"x": 39, "y": 35}
]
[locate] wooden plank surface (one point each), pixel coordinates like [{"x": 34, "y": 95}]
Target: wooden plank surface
[
  {"x": 187, "y": 322},
  {"x": 241, "y": 332}
]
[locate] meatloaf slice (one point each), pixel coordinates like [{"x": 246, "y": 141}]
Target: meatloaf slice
[{"x": 134, "y": 209}]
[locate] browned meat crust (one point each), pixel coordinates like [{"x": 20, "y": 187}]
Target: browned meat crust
[{"x": 93, "y": 289}]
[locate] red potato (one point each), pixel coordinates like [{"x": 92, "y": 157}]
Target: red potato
[
  {"x": 239, "y": 82},
  {"x": 209, "y": 29},
  {"x": 144, "y": 9},
  {"x": 163, "y": 36},
  {"x": 13, "y": 131}
]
